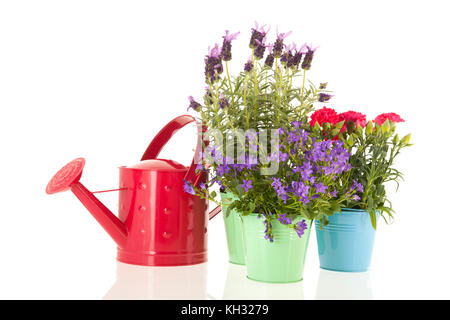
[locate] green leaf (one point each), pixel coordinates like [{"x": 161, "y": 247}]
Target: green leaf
[
  {"x": 317, "y": 126},
  {"x": 359, "y": 130},
  {"x": 386, "y": 126},
  {"x": 251, "y": 208},
  {"x": 373, "y": 219},
  {"x": 369, "y": 203},
  {"x": 369, "y": 127},
  {"x": 340, "y": 124},
  {"x": 396, "y": 139},
  {"x": 405, "y": 139},
  {"x": 335, "y": 132},
  {"x": 350, "y": 140},
  {"x": 227, "y": 210}
]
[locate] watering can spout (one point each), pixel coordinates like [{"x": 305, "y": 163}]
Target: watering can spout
[
  {"x": 112, "y": 225},
  {"x": 68, "y": 178}
]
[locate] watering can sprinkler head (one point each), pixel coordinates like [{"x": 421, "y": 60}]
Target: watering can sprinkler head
[{"x": 68, "y": 177}]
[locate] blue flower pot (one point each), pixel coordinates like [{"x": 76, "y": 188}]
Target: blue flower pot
[{"x": 346, "y": 243}]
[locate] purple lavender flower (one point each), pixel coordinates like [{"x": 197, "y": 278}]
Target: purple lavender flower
[
  {"x": 258, "y": 33},
  {"x": 291, "y": 60},
  {"x": 226, "y": 46},
  {"x": 259, "y": 50},
  {"x": 283, "y": 219},
  {"x": 208, "y": 98},
  {"x": 249, "y": 65},
  {"x": 297, "y": 58},
  {"x": 323, "y": 97},
  {"x": 223, "y": 102},
  {"x": 323, "y": 85},
  {"x": 300, "y": 227},
  {"x": 193, "y": 104},
  {"x": 247, "y": 185},
  {"x": 188, "y": 187},
  {"x": 356, "y": 197},
  {"x": 270, "y": 57},
  {"x": 278, "y": 45},
  {"x": 202, "y": 186},
  {"x": 306, "y": 65},
  {"x": 213, "y": 63},
  {"x": 286, "y": 57}
]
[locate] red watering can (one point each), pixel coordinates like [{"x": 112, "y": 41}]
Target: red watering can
[{"x": 159, "y": 224}]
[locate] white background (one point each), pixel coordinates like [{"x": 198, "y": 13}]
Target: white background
[{"x": 98, "y": 79}]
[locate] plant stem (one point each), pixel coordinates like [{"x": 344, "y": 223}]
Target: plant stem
[
  {"x": 276, "y": 88},
  {"x": 229, "y": 82},
  {"x": 303, "y": 86},
  {"x": 245, "y": 100}
]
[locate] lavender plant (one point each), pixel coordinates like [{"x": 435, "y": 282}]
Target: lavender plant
[{"x": 270, "y": 92}]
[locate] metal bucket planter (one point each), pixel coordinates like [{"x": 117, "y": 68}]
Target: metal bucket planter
[
  {"x": 346, "y": 243},
  {"x": 233, "y": 231},
  {"x": 280, "y": 261}
]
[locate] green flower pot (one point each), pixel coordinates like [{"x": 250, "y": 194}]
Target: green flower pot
[
  {"x": 280, "y": 261},
  {"x": 233, "y": 230}
]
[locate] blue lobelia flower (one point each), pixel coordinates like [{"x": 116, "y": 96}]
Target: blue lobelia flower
[
  {"x": 320, "y": 187},
  {"x": 300, "y": 227},
  {"x": 247, "y": 185},
  {"x": 283, "y": 219},
  {"x": 188, "y": 187},
  {"x": 357, "y": 186}
]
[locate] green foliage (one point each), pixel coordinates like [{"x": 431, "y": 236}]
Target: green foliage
[
  {"x": 262, "y": 98},
  {"x": 373, "y": 150}
]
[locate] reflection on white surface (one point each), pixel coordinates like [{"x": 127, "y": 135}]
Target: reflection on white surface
[
  {"x": 239, "y": 287},
  {"x": 344, "y": 285},
  {"x": 140, "y": 282}
]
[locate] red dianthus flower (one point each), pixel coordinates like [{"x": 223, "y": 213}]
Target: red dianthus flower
[
  {"x": 353, "y": 116},
  {"x": 324, "y": 115},
  {"x": 380, "y": 119}
]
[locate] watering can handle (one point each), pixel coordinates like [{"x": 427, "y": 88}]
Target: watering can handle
[{"x": 164, "y": 135}]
